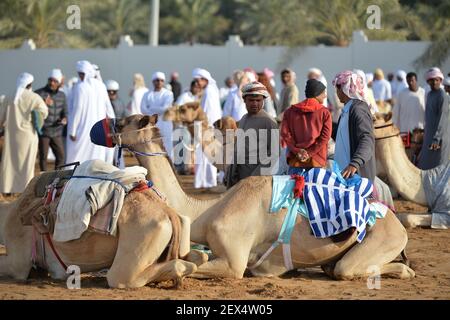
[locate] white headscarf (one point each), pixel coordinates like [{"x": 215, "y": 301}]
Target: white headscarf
[
  {"x": 86, "y": 67},
  {"x": 97, "y": 73},
  {"x": 202, "y": 73},
  {"x": 159, "y": 75},
  {"x": 400, "y": 85},
  {"x": 56, "y": 74},
  {"x": 23, "y": 81},
  {"x": 211, "y": 98}
]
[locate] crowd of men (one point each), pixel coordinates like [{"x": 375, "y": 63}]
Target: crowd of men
[{"x": 59, "y": 117}]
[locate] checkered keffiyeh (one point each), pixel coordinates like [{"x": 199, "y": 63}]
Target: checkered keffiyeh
[{"x": 255, "y": 88}]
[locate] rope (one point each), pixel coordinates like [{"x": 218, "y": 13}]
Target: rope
[{"x": 101, "y": 178}]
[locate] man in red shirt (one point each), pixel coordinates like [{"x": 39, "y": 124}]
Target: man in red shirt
[{"x": 306, "y": 130}]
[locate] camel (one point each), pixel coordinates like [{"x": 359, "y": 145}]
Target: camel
[
  {"x": 238, "y": 229},
  {"x": 404, "y": 176},
  {"x": 215, "y": 143},
  {"x": 134, "y": 258}
]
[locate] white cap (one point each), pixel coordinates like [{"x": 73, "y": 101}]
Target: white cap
[
  {"x": 112, "y": 85},
  {"x": 56, "y": 74},
  {"x": 447, "y": 81},
  {"x": 158, "y": 75}
]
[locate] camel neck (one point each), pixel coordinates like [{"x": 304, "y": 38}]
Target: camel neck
[
  {"x": 403, "y": 175},
  {"x": 161, "y": 173}
]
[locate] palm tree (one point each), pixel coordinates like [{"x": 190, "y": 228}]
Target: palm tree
[
  {"x": 272, "y": 22},
  {"x": 107, "y": 20},
  {"x": 437, "y": 19},
  {"x": 194, "y": 21},
  {"x": 44, "y": 21}
]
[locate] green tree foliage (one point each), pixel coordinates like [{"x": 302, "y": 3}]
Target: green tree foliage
[
  {"x": 44, "y": 21},
  {"x": 293, "y": 23},
  {"x": 194, "y": 21}
]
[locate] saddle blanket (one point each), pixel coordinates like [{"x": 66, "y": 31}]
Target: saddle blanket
[
  {"x": 95, "y": 185},
  {"x": 331, "y": 204}
]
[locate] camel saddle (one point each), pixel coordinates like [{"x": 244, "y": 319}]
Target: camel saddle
[
  {"x": 36, "y": 208},
  {"x": 47, "y": 178}
]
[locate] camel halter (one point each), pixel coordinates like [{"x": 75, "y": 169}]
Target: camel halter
[
  {"x": 128, "y": 147},
  {"x": 386, "y": 126}
]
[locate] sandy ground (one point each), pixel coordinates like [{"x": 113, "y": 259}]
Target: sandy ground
[{"x": 427, "y": 249}]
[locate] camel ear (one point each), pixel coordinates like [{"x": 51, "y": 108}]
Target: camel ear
[
  {"x": 196, "y": 105},
  {"x": 218, "y": 124},
  {"x": 146, "y": 120}
]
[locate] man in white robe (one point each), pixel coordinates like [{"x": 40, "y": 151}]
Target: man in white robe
[
  {"x": 21, "y": 139},
  {"x": 191, "y": 95},
  {"x": 157, "y": 102},
  {"x": 234, "y": 104},
  {"x": 409, "y": 111},
  {"x": 104, "y": 108},
  {"x": 89, "y": 105},
  {"x": 205, "y": 172},
  {"x": 139, "y": 89},
  {"x": 382, "y": 91}
]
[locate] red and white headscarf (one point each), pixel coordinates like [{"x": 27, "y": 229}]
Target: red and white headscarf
[
  {"x": 434, "y": 73},
  {"x": 352, "y": 84}
]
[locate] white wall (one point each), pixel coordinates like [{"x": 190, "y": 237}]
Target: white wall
[{"x": 122, "y": 62}]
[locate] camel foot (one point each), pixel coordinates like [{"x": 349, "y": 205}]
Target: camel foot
[
  {"x": 197, "y": 257},
  {"x": 329, "y": 269}
]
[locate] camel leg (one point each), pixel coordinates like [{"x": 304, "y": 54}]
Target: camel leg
[
  {"x": 139, "y": 248},
  {"x": 17, "y": 262},
  {"x": 185, "y": 238},
  {"x": 381, "y": 246},
  {"x": 232, "y": 254}
]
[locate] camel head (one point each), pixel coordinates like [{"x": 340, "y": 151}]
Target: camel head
[
  {"x": 226, "y": 123},
  {"x": 190, "y": 112},
  {"x": 135, "y": 129},
  {"x": 385, "y": 130},
  {"x": 172, "y": 114}
]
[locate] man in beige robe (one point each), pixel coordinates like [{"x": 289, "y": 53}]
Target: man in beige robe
[
  {"x": 21, "y": 139},
  {"x": 289, "y": 95}
]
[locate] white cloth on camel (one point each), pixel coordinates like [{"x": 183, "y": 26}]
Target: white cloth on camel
[{"x": 83, "y": 197}]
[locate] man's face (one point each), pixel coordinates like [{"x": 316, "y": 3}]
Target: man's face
[
  {"x": 196, "y": 89},
  {"x": 434, "y": 83},
  {"x": 112, "y": 94},
  {"x": 202, "y": 82},
  {"x": 158, "y": 84},
  {"x": 286, "y": 78},
  {"x": 53, "y": 84},
  {"x": 390, "y": 77},
  {"x": 81, "y": 75},
  {"x": 229, "y": 82},
  {"x": 341, "y": 95},
  {"x": 254, "y": 103},
  {"x": 412, "y": 83},
  {"x": 447, "y": 89}
]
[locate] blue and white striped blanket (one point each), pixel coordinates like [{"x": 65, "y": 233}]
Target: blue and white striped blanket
[{"x": 335, "y": 206}]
